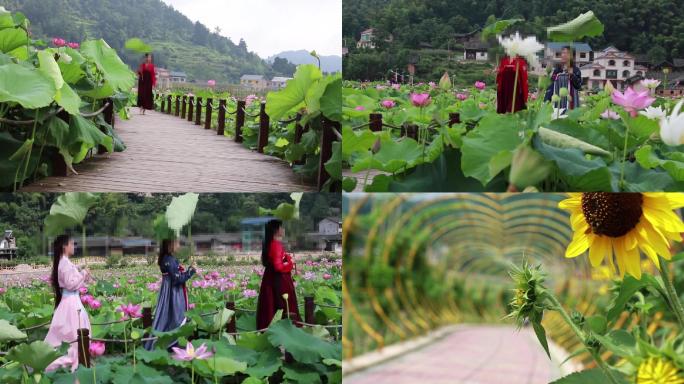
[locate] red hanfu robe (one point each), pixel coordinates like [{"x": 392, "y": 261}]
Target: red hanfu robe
[
  {"x": 505, "y": 78},
  {"x": 147, "y": 79},
  {"x": 277, "y": 280}
]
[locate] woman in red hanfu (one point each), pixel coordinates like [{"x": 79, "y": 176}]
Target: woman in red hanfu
[
  {"x": 277, "y": 279},
  {"x": 147, "y": 79},
  {"x": 505, "y": 82}
]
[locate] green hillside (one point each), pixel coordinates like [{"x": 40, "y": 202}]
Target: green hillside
[{"x": 179, "y": 43}]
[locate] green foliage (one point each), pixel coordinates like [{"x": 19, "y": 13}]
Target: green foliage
[
  {"x": 584, "y": 25},
  {"x": 137, "y": 45},
  {"x": 69, "y": 211},
  {"x": 180, "y": 211}
]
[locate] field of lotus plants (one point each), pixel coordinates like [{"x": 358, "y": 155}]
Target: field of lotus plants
[
  {"x": 433, "y": 137},
  {"x": 208, "y": 353}
]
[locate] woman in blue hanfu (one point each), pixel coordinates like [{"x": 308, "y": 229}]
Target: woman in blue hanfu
[
  {"x": 566, "y": 82},
  {"x": 173, "y": 294}
]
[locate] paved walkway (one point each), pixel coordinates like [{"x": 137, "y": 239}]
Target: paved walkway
[
  {"x": 470, "y": 355},
  {"x": 168, "y": 154}
]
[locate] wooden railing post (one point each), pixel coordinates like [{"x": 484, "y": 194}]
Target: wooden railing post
[
  {"x": 454, "y": 118},
  {"x": 177, "y": 112},
  {"x": 168, "y": 104},
  {"x": 83, "y": 340},
  {"x": 299, "y": 132},
  {"x": 240, "y": 120},
  {"x": 184, "y": 107},
  {"x": 375, "y": 122},
  {"x": 230, "y": 326},
  {"x": 163, "y": 105},
  {"x": 207, "y": 114},
  {"x": 327, "y": 138},
  {"x": 264, "y": 123},
  {"x": 147, "y": 317},
  {"x": 410, "y": 130},
  {"x": 309, "y": 310},
  {"x": 191, "y": 106},
  {"x": 198, "y": 111},
  {"x": 221, "y": 129}
]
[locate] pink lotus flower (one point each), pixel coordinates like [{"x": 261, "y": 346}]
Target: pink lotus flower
[
  {"x": 189, "y": 353},
  {"x": 86, "y": 299},
  {"x": 116, "y": 285},
  {"x": 74, "y": 45},
  {"x": 396, "y": 87},
  {"x": 58, "y": 42},
  {"x": 483, "y": 106},
  {"x": 432, "y": 84},
  {"x": 420, "y": 99},
  {"x": 461, "y": 96},
  {"x": 83, "y": 290},
  {"x": 609, "y": 114},
  {"x": 250, "y": 99},
  {"x": 95, "y": 304},
  {"x": 211, "y": 83},
  {"x": 631, "y": 100},
  {"x": 309, "y": 275},
  {"x": 480, "y": 85},
  {"x": 2, "y": 290},
  {"x": 533, "y": 96},
  {"x": 388, "y": 104},
  {"x": 650, "y": 83},
  {"x": 215, "y": 275},
  {"x": 380, "y": 87},
  {"x": 153, "y": 287},
  {"x": 327, "y": 276},
  {"x": 191, "y": 306},
  {"x": 97, "y": 348},
  {"x": 249, "y": 293},
  {"x": 129, "y": 310},
  {"x": 360, "y": 108}
]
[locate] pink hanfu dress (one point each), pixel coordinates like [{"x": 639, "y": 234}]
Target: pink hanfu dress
[{"x": 65, "y": 320}]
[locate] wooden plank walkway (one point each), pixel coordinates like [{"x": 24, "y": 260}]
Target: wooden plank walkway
[{"x": 168, "y": 154}]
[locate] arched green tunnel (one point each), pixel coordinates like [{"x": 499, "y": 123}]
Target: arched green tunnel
[{"x": 414, "y": 262}]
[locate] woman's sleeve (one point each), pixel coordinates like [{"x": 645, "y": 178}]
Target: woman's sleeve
[
  {"x": 177, "y": 277},
  {"x": 70, "y": 277},
  {"x": 276, "y": 254}
]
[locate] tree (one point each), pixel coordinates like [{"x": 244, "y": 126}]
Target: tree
[
  {"x": 657, "y": 54},
  {"x": 283, "y": 67}
]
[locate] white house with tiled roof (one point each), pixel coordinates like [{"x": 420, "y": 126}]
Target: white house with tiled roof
[
  {"x": 366, "y": 40},
  {"x": 612, "y": 65}
]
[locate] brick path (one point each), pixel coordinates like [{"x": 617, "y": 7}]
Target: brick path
[{"x": 470, "y": 355}]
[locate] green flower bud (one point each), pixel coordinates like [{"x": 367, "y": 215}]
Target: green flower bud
[
  {"x": 563, "y": 92},
  {"x": 555, "y": 98},
  {"x": 528, "y": 167}
]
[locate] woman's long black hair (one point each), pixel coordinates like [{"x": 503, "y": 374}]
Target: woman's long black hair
[
  {"x": 146, "y": 56},
  {"x": 269, "y": 233},
  {"x": 164, "y": 249},
  {"x": 57, "y": 249}
]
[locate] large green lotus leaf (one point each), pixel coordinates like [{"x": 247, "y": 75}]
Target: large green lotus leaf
[
  {"x": 298, "y": 373},
  {"x": 12, "y": 38},
  {"x": 249, "y": 380},
  {"x": 586, "y": 24},
  {"x": 331, "y": 101},
  {"x": 49, "y": 67},
  {"x": 594, "y": 375},
  {"x": 71, "y": 72},
  {"x": 68, "y": 211},
  {"x": 392, "y": 156},
  {"x": 269, "y": 362},
  {"x": 674, "y": 164},
  {"x": 281, "y": 102},
  {"x": 37, "y": 355},
  {"x": 220, "y": 319},
  {"x": 84, "y": 133},
  {"x": 137, "y": 45},
  {"x": 304, "y": 347},
  {"x": 10, "y": 332},
  {"x": 99, "y": 93},
  {"x": 161, "y": 228},
  {"x": 334, "y": 165},
  {"x": 219, "y": 366},
  {"x": 115, "y": 71},
  {"x": 8, "y": 168},
  {"x": 356, "y": 142},
  {"x": 20, "y": 53},
  {"x": 181, "y": 210},
  {"x": 28, "y": 87},
  {"x": 254, "y": 341},
  {"x": 68, "y": 99},
  {"x": 486, "y": 148},
  {"x": 140, "y": 374},
  {"x": 497, "y": 27}
]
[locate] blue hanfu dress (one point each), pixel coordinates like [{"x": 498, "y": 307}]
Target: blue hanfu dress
[{"x": 173, "y": 297}]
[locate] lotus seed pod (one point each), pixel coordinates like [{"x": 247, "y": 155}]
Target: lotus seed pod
[
  {"x": 563, "y": 92},
  {"x": 555, "y": 98}
]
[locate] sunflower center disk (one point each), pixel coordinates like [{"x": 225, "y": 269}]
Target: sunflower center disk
[{"x": 612, "y": 214}]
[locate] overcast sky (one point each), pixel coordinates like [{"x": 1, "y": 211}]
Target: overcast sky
[{"x": 271, "y": 26}]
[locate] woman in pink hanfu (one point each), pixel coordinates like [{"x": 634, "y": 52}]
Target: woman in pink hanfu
[{"x": 69, "y": 315}]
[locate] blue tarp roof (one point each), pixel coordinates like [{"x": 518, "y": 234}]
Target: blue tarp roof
[
  {"x": 579, "y": 47},
  {"x": 256, "y": 220}
]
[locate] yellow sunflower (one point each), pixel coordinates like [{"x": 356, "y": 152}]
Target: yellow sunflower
[
  {"x": 622, "y": 224},
  {"x": 658, "y": 371}
]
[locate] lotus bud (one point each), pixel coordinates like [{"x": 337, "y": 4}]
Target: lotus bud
[
  {"x": 531, "y": 189},
  {"x": 285, "y": 296},
  {"x": 528, "y": 167},
  {"x": 563, "y": 92},
  {"x": 555, "y": 98},
  {"x": 445, "y": 82},
  {"x": 376, "y": 146},
  {"x": 609, "y": 88}
]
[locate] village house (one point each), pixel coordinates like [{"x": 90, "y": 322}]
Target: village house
[
  {"x": 254, "y": 82},
  {"x": 475, "y": 50},
  {"x": 163, "y": 78},
  {"x": 279, "y": 82},
  {"x": 611, "y": 65},
  {"x": 178, "y": 77},
  {"x": 328, "y": 237},
  {"x": 366, "y": 40}
]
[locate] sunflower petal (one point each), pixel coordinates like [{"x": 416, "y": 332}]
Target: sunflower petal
[{"x": 580, "y": 242}]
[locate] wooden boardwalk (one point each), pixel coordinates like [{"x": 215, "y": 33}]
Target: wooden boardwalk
[{"x": 168, "y": 154}]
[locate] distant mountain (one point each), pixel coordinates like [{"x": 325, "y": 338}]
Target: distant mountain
[
  {"x": 179, "y": 44},
  {"x": 331, "y": 63}
]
